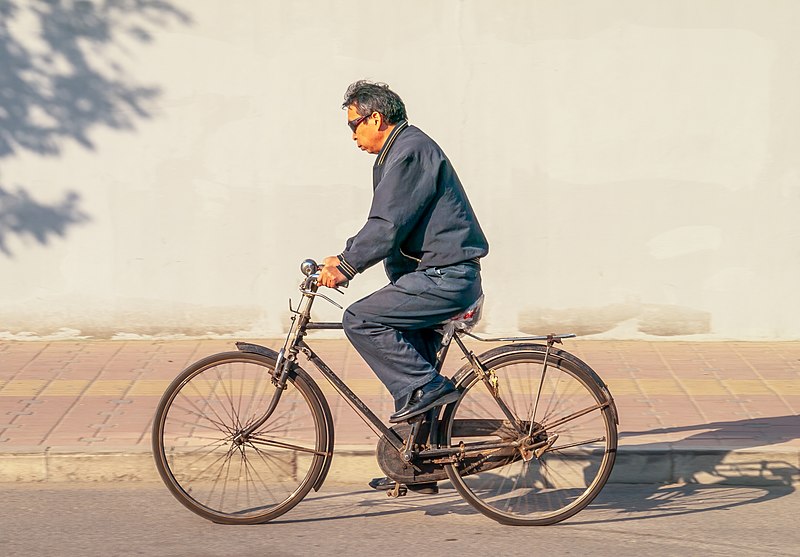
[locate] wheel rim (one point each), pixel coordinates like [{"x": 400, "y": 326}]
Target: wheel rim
[
  {"x": 579, "y": 452},
  {"x": 226, "y": 478}
]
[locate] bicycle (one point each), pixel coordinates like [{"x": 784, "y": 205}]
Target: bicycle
[{"x": 241, "y": 437}]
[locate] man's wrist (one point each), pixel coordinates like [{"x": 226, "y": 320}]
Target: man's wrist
[{"x": 345, "y": 268}]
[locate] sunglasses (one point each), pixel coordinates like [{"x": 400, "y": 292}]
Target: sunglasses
[{"x": 357, "y": 122}]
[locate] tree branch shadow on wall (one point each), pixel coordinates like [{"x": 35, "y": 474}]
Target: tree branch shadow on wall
[
  {"x": 23, "y": 216},
  {"x": 62, "y": 76}
]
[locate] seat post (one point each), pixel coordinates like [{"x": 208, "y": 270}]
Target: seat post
[{"x": 442, "y": 354}]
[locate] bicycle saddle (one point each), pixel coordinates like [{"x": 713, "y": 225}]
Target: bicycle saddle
[{"x": 468, "y": 318}]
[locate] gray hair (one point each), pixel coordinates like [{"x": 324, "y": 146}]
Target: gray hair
[{"x": 368, "y": 97}]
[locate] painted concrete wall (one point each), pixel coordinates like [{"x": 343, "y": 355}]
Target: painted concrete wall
[{"x": 163, "y": 171}]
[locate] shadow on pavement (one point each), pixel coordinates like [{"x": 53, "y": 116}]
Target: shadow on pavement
[
  {"x": 654, "y": 501},
  {"x": 719, "y": 473},
  {"x": 377, "y": 503},
  {"x": 707, "y": 478},
  {"x": 616, "y": 503},
  {"x": 726, "y": 452}
]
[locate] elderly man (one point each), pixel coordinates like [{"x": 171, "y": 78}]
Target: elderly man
[{"x": 423, "y": 229}]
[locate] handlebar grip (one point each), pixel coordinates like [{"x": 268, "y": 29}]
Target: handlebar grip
[{"x": 344, "y": 284}]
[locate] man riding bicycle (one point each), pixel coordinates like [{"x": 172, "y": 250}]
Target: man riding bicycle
[{"x": 423, "y": 228}]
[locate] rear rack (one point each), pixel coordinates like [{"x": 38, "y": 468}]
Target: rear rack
[{"x": 551, "y": 338}]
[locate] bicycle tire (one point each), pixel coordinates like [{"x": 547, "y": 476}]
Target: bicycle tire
[
  {"x": 218, "y": 479},
  {"x": 557, "y": 484}
]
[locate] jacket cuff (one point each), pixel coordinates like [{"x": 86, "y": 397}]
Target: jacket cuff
[{"x": 347, "y": 270}]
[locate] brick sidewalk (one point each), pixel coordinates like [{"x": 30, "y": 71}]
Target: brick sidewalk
[{"x": 702, "y": 411}]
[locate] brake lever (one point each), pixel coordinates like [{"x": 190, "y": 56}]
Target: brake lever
[
  {"x": 323, "y": 296},
  {"x": 345, "y": 284}
]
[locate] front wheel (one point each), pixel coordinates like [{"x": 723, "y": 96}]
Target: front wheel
[
  {"x": 562, "y": 424},
  {"x": 207, "y": 465}
]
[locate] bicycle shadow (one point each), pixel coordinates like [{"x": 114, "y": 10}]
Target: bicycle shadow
[
  {"x": 701, "y": 476},
  {"x": 616, "y": 503},
  {"x": 726, "y": 452},
  {"x": 377, "y": 504},
  {"x": 625, "y": 503},
  {"x": 701, "y": 480}
]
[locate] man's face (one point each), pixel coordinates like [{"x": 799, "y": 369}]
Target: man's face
[{"x": 368, "y": 135}]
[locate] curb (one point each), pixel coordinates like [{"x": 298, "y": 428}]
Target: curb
[{"x": 357, "y": 464}]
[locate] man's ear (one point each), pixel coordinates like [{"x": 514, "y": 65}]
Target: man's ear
[{"x": 382, "y": 125}]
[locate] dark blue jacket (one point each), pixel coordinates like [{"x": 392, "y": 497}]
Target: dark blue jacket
[{"x": 420, "y": 215}]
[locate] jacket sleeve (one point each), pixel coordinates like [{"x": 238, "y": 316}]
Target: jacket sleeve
[{"x": 399, "y": 201}]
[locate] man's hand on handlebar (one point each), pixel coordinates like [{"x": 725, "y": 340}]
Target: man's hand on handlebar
[{"x": 329, "y": 275}]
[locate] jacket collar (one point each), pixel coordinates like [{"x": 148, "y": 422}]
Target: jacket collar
[{"x": 389, "y": 140}]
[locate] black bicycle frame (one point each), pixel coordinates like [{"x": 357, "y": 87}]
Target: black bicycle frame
[
  {"x": 356, "y": 403},
  {"x": 364, "y": 412},
  {"x": 369, "y": 417},
  {"x": 295, "y": 343}
]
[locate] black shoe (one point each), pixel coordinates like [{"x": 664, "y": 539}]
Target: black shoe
[
  {"x": 385, "y": 484},
  {"x": 440, "y": 390}
]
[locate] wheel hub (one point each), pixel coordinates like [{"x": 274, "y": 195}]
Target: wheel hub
[
  {"x": 239, "y": 439},
  {"x": 534, "y": 445}
]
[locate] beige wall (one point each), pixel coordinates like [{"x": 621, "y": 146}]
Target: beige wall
[{"x": 634, "y": 163}]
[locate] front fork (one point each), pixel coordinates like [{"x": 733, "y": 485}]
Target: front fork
[
  {"x": 286, "y": 358},
  {"x": 279, "y": 380}
]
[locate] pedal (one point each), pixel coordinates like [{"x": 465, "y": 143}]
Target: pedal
[{"x": 397, "y": 491}]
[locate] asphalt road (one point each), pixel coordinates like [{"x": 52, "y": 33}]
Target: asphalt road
[{"x": 144, "y": 519}]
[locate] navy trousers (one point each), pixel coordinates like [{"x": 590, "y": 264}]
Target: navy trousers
[{"x": 391, "y": 328}]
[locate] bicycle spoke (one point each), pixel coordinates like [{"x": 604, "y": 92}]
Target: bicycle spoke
[
  {"x": 200, "y": 396},
  {"x": 232, "y": 415},
  {"x": 208, "y": 447},
  {"x": 577, "y": 444},
  {"x": 226, "y": 458},
  {"x": 219, "y": 426},
  {"x": 271, "y": 462},
  {"x": 532, "y": 416},
  {"x": 574, "y": 416}
]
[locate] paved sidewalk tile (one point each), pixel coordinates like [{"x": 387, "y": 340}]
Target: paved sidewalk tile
[{"x": 94, "y": 396}]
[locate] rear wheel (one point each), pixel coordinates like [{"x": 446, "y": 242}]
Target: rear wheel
[
  {"x": 209, "y": 468},
  {"x": 563, "y": 422}
]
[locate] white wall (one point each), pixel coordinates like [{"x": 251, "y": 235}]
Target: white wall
[{"x": 634, "y": 163}]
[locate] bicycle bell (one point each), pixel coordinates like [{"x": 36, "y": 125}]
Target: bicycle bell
[{"x": 308, "y": 267}]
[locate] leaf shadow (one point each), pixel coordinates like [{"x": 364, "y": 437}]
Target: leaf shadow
[
  {"x": 64, "y": 74},
  {"x": 23, "y": 216}
]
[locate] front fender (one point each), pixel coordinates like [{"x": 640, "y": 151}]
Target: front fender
[{"x": 257, "y": 349}]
